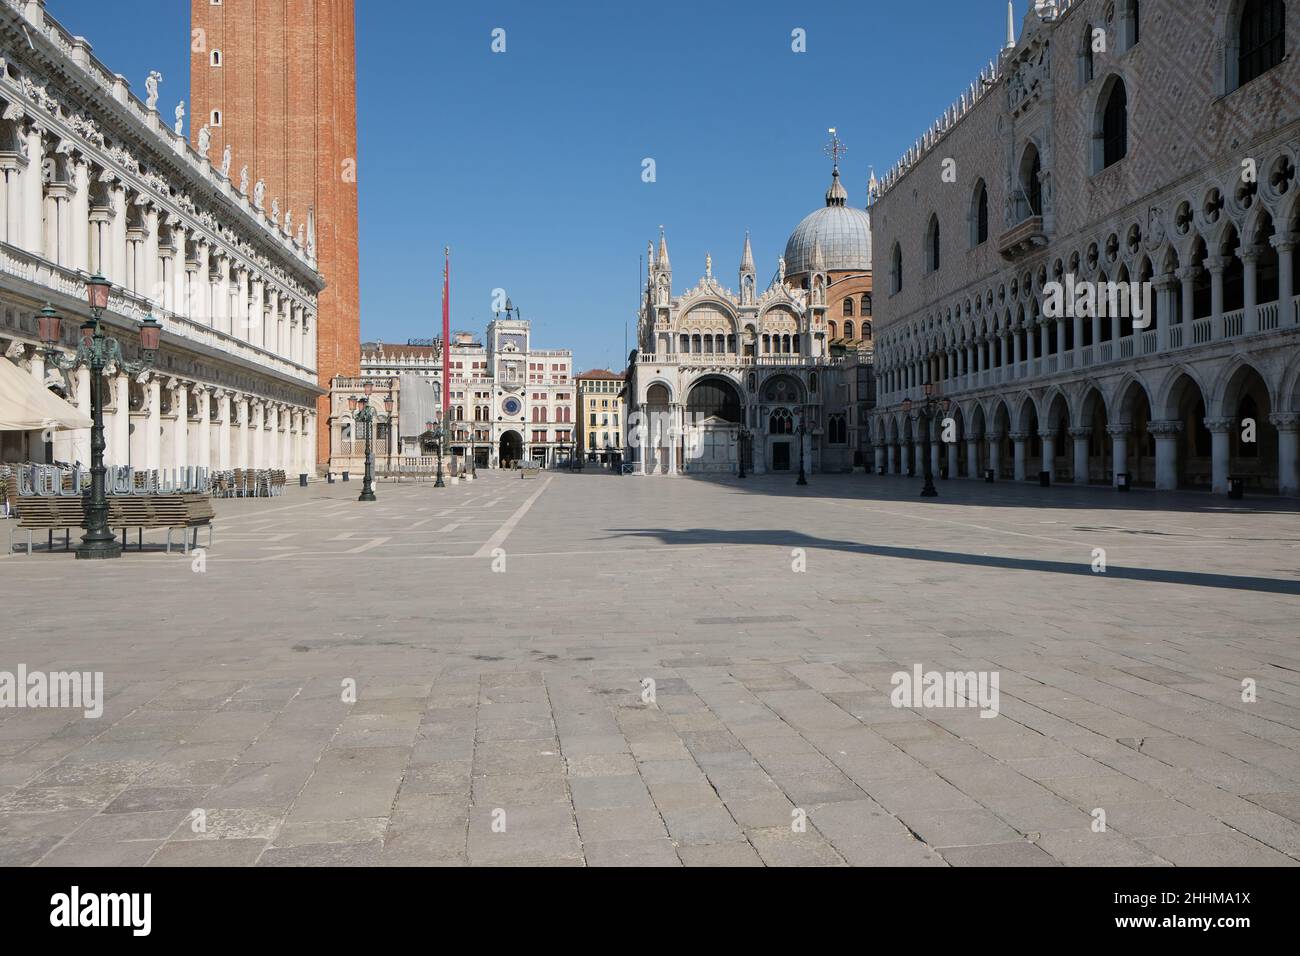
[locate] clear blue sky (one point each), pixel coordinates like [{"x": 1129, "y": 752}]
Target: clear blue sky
[{"x": 528, "y": 163}]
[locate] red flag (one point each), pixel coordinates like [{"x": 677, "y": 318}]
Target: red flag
[{"x": 446, "y": 333}]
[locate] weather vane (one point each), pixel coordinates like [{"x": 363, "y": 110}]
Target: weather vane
[{"x": 835, "y": 148}]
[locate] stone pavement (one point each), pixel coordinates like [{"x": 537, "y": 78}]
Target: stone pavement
[{"x": 499, "y": 634}]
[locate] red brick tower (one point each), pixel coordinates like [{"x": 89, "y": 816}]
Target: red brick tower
[{"x": 284, "y": 82}]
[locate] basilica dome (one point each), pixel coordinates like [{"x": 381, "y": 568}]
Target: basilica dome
[{"x": 843, "y": 232}]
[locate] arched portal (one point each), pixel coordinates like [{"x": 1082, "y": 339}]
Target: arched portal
[
  {"x": 1195, "y": 444},
  {"x": 714, "y": 415},
  {"x": 1095, "y": 466},
  {"x": 1252, "y": 437},
  {"x": 510, "y": 449}
]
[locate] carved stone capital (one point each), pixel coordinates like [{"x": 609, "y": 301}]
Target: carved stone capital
[
  {"x": 1219, "y": 425},
  {"x": 1285, "y": 421},
  {"x": 1164, "y": 429}
]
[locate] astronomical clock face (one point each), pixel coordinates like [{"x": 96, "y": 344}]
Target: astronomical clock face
[{"x": 511, "y": 406}]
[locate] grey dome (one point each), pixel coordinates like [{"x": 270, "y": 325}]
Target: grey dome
[{"x": 843, "y": 232}]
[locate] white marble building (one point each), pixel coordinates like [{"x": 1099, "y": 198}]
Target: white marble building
[
  {"x": 96, "y": 181},
  {"x": 717, "y": 374},
  {"x": 516, "y": 401},
  {"x": 1110, "y": 142}
]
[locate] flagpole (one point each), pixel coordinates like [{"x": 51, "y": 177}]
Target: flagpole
[{"x": 446, "y": 344}]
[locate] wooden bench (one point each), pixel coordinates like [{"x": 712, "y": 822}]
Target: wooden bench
[{"x": 142, "y": 512}]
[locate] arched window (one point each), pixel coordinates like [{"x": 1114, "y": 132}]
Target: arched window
[
  {"x": 1129, "y": 24},
  {"x": 833, "y": 330},
  {"x": 1086, "y": 66},
  {"x": 848, "y": 330},
  {"x": 713, "y": 398},
  {"x": 780, "y": 422},
  {"x": 215, "y": 119},
  {"x": 1261, "y": 38},
  {"x": 866, "y": 304},
  {"x": 1114, "y": 124},
  {"x": 215, "y": 58},
  {"x": 980, "y": 215},
  {"x": 932, "y": 244},
  {"x": 1029, "y": 202},
  {"x": 848, "y": 306},
  {"x": 836, "y": 429},
  {"x": 896, "y": 270}
]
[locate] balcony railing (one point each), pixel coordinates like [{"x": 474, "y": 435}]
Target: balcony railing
[{"x": 1271, "y": 316}]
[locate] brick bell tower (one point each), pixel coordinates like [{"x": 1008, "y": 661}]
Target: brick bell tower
[{"x": 277, "y": 79}]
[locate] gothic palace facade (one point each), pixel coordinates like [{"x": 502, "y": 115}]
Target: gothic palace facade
[{"x": 1111, "y": 142}]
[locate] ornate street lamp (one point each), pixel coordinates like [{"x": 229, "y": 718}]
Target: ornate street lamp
[
  {"x": 434, "y": 430},
  {"x": 364, "y": 416},
  {"x": 97, "y": 350},
  {"x": 929, "y": 409},
  {"x": 742, "y": 438}
]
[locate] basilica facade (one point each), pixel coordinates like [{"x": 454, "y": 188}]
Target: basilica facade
[
  {"x": 96, "y": 182},
  {"x": 721, "y": 376},
  {"x": 1122, "y": 152}
]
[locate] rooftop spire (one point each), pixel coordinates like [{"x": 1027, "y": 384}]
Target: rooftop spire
[
  {"x": 1011, "y": 25},
  {"x": 747, "y": 257},
  {"x": 836, "y": 195},
  {"x": 661, "y": 260}
]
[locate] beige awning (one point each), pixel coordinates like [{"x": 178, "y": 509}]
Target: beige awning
[{"x": 26, "y": 405}]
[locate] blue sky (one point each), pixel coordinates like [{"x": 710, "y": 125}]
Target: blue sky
[{"x": 528, "y": 162}]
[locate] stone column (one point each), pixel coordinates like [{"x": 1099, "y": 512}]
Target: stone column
[
  {"x": 1166, "y": 435},
  {"x": 1165, "y": 294},
  {"x": 1220, "y": 453},
  {"x": 1049, "y": 452},
  {"x": 1119, "y": 451},
  {"x": 33, "y": 191},
  {"x": 81, "y": 437},
  {"x": 1078, "y": 339},
  {"x": 1285, "y": 244},
  {"x": 79, "y": 224},
  {"x": 117, "y": 235},
  {"x": 240, "y": 319},
  {"x": 204, "y": 398},
  {"x": 223, "y": 430},
  {"x": 122, "y": 419},
  {"x": 200, "y": 293},
  {"x": 879, "y": 459},
  {"x": 259, "y": 421},
  {"x": 221, "y": 296},
  {"x": 257, "y": 314},
  {"x": 995, "y": 456},
  {"x": 149, "y": 249},
  {"x": 1187, "y": 281},
  {"x": 1019, "y": 439},
  {"x": 1288, "y": 450},
  {"x": 893, "y": 460},
  {"x": 934, "y": 457},
  {"x": 153, "y": 438},
  {"x": 972, "y": 458},
  {"x": 1250, "y": 286},
  {"x": 1081, "y": 437},
  {"x": 179, "y": 269},
  {"x": 951, "y": 448},
  {"x": 244, "y": 458},
  {"x": 1217, "y": 265},
  {"x": 181, "y": 425}
]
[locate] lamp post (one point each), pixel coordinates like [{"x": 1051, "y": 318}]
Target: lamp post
[
  {"x": 433, "y": 429},
  {"x": 97, "y": 350},
  {"x": 929, "y": 408},
  {"x": 742, "y": 439},
  {"x": 364, "y": 414}
]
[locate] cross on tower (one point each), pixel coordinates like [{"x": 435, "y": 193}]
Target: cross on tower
[{"x": 835, "y": 148}]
